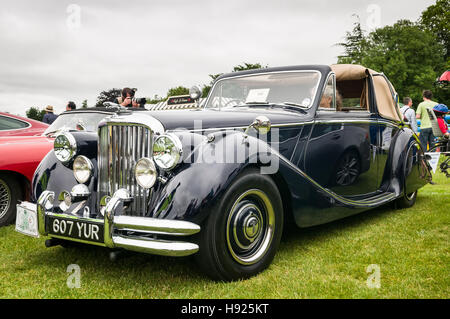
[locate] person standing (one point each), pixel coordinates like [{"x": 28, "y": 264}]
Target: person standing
[
  {"x": 409, "y": 113},
  {"x": 71, "y": 106},
  {"x": 426, "y": 133},
  {"x": 49, "y": 116}
]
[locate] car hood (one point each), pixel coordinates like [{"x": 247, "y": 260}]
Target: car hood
[{"x": 236, "y": 117}]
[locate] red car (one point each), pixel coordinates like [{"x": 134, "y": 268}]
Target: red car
[
  {"x": 13, "y": 125},
  {"x": 20, "y": 155}
]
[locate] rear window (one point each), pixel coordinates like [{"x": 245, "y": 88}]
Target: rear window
[{"x": 8, "y": 123}]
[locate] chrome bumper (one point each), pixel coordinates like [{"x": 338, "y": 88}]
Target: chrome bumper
[{"x": 113, "y": 221}]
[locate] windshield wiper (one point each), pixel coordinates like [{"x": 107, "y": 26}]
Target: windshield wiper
[{"x": 296, "y": 104}]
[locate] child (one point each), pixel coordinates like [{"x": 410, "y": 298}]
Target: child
[{"x": 440, "y": 110}]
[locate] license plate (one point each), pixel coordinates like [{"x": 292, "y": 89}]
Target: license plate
[
  {"x": 26, "y": 220},
  {"x": 78, "y": 229}
]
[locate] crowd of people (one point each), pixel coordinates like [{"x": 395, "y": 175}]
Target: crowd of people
[
  {"x": 126, "y": 100},
  {"x": 426, "y": 135}
]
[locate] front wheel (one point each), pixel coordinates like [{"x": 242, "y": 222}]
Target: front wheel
[
  {"x": 242, "y": 234},
  {"x": 407, "y": 200}
]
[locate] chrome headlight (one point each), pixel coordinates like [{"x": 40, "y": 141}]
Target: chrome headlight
[
  {"x": 65, "y": 147},
  {"x": 167, "y": 151},
  {"x": 145, "y": 172},
  {"x": 82, "y": 169}
]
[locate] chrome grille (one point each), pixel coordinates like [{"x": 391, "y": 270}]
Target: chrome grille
[{"x": 119, "y": 148}]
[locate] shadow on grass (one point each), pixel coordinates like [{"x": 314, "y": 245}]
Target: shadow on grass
[
  {"x": 133, "y": 266},
  {"x": 294, "y": 237}
]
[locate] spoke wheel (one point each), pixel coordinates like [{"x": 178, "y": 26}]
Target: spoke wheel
[
  {"x": 5, "y": 198},
  {"x": 10, "y": 194}
]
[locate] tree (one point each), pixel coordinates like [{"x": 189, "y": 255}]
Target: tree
[
  {"x": 179, "y": 90},
  {"x": 34, "y": 113},
  {"x": 355, "y": 45},
  {"x": 248, "y": 66},
  {"x": 436, "y": 19},
  {"x": 410, "y": 57},
  {"x": 407, "y": 53},
  {"x": 108, "y": 96},
  {"x": 84, "y": 105}
]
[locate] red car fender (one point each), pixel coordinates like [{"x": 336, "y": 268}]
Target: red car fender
[{"x": 22, "y": 154}]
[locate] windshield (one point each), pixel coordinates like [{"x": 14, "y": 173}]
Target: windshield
[
  {"x": 74, "y": 121},
  {"x": 294, "y": 88}
]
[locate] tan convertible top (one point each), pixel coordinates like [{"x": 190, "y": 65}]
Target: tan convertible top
[{"x": 384, "y": 97}]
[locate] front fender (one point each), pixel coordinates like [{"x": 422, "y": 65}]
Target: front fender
[{"x": 210, "y": 164}]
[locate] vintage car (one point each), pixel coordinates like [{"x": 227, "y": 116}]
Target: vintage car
[
  {"x": 14, "y": 125},
  {"x": 301, "y": 144},
  {"x": 21, "y": 155}
]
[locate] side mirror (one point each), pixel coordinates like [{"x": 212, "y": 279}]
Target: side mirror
[{"x": 195, "y": 93}]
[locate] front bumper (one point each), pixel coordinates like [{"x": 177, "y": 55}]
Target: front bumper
[{"x": 117, "y": 228}]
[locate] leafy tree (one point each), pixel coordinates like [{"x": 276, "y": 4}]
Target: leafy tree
[
  {"x": 436, "y": 19},
  {"x": 179, "y": 90},
  {"x": 108, "y": 96},
  {"x": 410, "y": 57},
  {"x": 84, "y": 105},
  {"x": 355, "y": 45},
  {"x": 248, "y": 66},
  {"x": 35, "y": 114},
  {"x": 406, "y": 52}
]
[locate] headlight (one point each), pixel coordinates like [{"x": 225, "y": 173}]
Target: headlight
[
  {"x": 82, "y": 169},
  {"x": 167, "y": 151},
  {"x": 145, "y": 172},
  {"x": 65, "y": 147}
]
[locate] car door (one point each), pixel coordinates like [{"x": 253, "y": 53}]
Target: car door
[{"x": 341, "y": 153}]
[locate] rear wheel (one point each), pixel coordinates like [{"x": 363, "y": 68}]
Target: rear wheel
[
  {"x": 10, "y": 194},
  {"x": 242, "y": 234}
]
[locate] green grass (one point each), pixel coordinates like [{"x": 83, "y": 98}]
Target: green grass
[{"x": 411, "y": 247}]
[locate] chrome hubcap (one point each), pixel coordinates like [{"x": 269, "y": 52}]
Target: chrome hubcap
[
  {"x": 250, "y": 227},
  {"x": 5, "y": 198}
]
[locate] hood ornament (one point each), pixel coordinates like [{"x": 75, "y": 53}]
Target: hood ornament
[{"x": 119, "y": 109}]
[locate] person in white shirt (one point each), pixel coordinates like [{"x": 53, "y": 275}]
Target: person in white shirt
[{"x": 409, "y": 113}]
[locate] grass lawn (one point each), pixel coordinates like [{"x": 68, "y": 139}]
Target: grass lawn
[{"x": 410, "y": 247}]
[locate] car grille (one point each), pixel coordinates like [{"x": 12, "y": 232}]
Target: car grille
[{"x": 119, "y": 148}]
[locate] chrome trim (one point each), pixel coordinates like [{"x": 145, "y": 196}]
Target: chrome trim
[
  {"x": 179, "y": 150},
  {"x": 71, "y": 148},
  {"x": 157, "y": 247},
  {"x": 127, "y": 232},
  {"x": 123, "y": 140},
  {"x": 263, "y": 228},
  {"x": 80, "y": 191},
  {"x": 156, "y": 226},
  {"x": 265, "y": 73}
]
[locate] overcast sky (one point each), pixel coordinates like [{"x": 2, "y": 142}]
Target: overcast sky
[{"x": 55, "y": 51}]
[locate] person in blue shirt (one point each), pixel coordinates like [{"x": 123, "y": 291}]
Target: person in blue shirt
[{"x": 49, "y": 116}]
